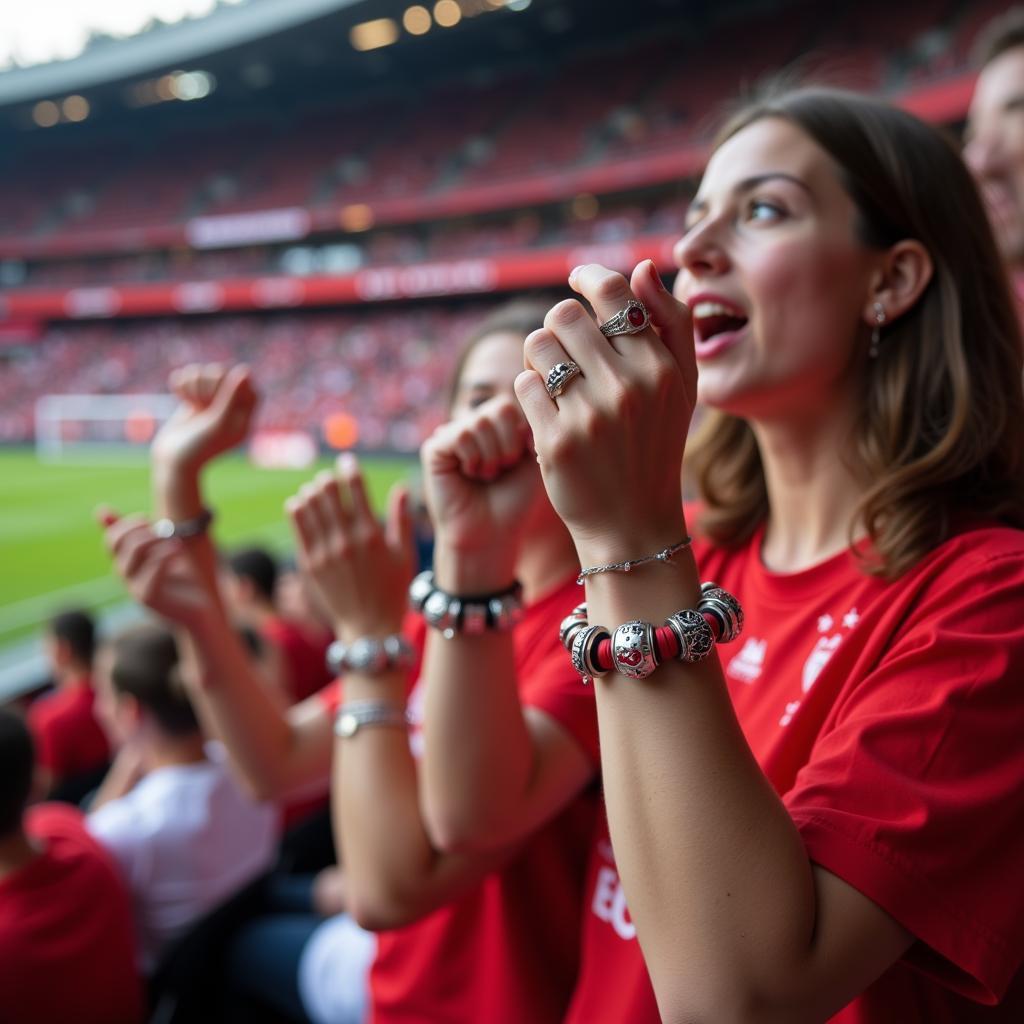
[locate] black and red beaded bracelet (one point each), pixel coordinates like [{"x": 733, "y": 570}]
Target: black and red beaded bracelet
[{"x": 637, "y": 648}]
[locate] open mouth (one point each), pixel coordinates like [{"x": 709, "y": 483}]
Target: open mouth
[{"x": 711, "y": 320}]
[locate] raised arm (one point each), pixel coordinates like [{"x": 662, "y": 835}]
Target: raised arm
[
  {"x": 274, "y": 753},
  {"x": 361, "y": 572},
  {"x": 735, "y": 922},
  {"x": 494, "y": 771}
]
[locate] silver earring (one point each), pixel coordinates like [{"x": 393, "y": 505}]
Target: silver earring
[{"x": 876, "y": 331}]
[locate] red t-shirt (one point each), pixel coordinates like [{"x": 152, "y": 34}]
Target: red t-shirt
[
  {"x": 304, "y": 651},
  {"x": 889, "y": 717},
  {"x": 507, "y": 952},
  {"x": 67, "y": 951},
  {"x": 69, "y": 741}
]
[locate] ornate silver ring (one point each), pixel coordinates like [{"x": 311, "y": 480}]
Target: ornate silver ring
[
  {"x": 559, "y": 376},
  {"x": 631, "y": 319}
]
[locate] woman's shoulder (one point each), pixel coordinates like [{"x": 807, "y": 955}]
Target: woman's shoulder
[{"x": 977, "y": 548}]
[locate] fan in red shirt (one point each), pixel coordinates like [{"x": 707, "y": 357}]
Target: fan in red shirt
[
  {"x": 67, "y": 950},
  {"x": 824, "y": 821},
  {"x": 466, "y": 935},
  {"x": 296, "y": 649},
  {"x": 70, "y": 744}
]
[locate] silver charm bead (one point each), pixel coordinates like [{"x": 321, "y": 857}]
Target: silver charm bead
[
  {"x": 505, "y": 612},
  {"x": 633, "y": 651},
  {"x": 584, "y": 652},
  {"x": 399, "y": 651},
  {"x": 694, "y": 635},
  {"x": 436, "y": 610},
  {"x": 716, "y": 599},
  {"x": 420, "y": 589},
  {"x": 366, "y": 655},
  {"x": 576, "y": 619},
  {"x": 336, "y": 657}
]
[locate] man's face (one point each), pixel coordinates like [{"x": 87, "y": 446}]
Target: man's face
[{"x": 995, "y": 148}]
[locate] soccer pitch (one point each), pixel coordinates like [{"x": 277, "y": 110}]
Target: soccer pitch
[{"x": 51, "y": 549}]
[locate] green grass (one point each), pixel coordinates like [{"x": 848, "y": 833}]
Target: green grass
[{"x": 51, "y": 552}]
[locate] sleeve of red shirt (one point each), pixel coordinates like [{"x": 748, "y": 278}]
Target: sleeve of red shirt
[
  {"x": 39, "y": 720},
  {"x": 914, "y": 792},
  {"x": 555, "y": 689}
]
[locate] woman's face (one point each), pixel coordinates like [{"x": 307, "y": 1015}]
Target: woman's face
[
  {"x": 489, "y": 369},
  {"x": 774, "y": 275}
]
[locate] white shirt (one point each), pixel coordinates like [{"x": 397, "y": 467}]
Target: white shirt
[{"x": 187, "y": 839}]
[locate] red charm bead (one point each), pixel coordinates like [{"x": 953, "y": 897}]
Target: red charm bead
[{"x": 636, "y": 316}]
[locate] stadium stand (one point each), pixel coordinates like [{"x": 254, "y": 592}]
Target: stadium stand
[{"x": 522, "y": 165}]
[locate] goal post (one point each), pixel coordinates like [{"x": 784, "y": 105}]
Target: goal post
[{"x": 76, "y": 428}]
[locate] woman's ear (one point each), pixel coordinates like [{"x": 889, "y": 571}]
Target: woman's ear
[{"x": 904, "y": 273}]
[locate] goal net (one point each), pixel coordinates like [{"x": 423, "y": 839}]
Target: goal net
[{"x": 98, "y": 427}]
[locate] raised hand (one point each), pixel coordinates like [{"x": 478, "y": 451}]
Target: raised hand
[
  {"x": 217, "y": 406},
  {"x": 361, "y": 570},
  {"x": 480, "y": 478},
  {"x": 611, "y": 445},
  {"x": 157, "y": 571}
]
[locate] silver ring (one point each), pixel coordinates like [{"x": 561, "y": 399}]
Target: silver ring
[
  {"x": 559, "y": 376},
  {"x": 631, "y": 319}
]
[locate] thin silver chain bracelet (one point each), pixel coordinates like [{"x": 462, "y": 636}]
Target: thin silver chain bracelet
[{"x": 664, "y": 555}]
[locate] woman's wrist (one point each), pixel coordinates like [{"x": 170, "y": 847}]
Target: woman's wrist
[
  {"x": 630, "y": 543},
  {"x": 460, "y": 570}
]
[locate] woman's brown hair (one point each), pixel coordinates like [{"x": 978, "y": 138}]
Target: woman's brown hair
[{"x": 940, "y": 431}]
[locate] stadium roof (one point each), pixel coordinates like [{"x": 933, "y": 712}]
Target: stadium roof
[{"x": 225, "y": 28}]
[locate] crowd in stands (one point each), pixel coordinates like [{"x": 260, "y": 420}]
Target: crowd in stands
[
  {"x": 387, "y": 369},
  {"x": 588, "y": 220},
  {"x": 454, "y": 138}
]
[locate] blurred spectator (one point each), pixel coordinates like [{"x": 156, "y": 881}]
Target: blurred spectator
[
  {"x": 995, "y": 133},
  {"x": 72, "y": 749},
  {"x": 301, "y": 647},
  {"x": 66, "y": 942},
  {"x": 181, "y": 830}
]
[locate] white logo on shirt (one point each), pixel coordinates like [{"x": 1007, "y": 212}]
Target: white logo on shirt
[
  {"x": 748, "y": 663},
  {"x": 818, "y": 659},
  {"x": 610, "y": 904}
]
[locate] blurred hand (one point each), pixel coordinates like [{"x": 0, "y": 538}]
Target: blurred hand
[
  {"x": 215, "y": 414},
  {"x": 611, "y": 446},
  {"x": 158, "y": 572},
  {"x": 329, "y": 892},
  {"x": 481, "y": 480},
  {"x": 360, "y": 570}
]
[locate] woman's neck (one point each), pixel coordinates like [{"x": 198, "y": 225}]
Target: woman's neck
[{"x": 812, "y": 493}]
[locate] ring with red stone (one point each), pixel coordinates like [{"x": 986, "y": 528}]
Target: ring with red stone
[{"x": 631, "y": 319}]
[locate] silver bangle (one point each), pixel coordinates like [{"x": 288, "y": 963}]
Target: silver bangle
[
  {"x": 184, "y": 528},
  {"x": 633, "y": 650},
  {"x": 371, "y": 655},
  {"x": 359, "y": 714},
  {"x": 664, "y": 555}
]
